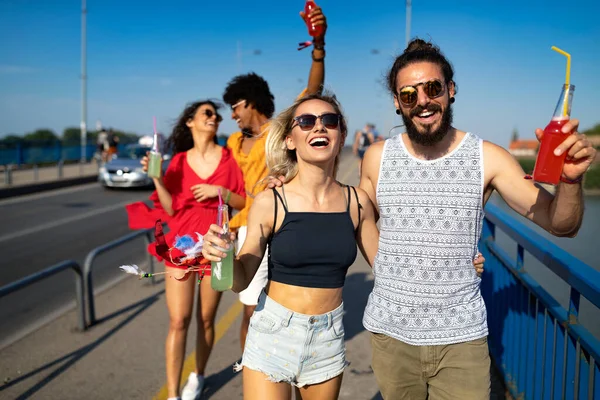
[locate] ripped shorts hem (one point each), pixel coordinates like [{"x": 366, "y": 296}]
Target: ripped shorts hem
[{"x": 237, "y": 367}]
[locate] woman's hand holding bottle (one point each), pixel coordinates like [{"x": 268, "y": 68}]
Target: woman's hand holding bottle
[{"x": 216, "y": 243}]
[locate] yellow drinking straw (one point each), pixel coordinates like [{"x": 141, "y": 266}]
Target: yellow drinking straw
[{"x": 567, "y": 79}]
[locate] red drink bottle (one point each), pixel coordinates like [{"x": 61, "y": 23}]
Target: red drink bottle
[
  {"x": 313, "y": 30},
  {"x": 548, "y": 167}
]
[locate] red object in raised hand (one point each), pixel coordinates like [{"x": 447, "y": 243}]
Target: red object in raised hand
[{"x": 313, "y": 30}]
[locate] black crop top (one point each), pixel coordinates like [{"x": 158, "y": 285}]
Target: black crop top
[{"x": 312, "y": 249}]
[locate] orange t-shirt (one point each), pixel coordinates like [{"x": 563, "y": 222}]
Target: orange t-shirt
[
  {"x": 253, "y": 166},
  {"x": 254, "y": 169}
]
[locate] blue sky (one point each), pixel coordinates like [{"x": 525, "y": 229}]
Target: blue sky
[{"x": 152, "y": 57}]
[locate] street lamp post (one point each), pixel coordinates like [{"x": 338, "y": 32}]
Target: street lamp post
[{"x": 83, "y": 124}]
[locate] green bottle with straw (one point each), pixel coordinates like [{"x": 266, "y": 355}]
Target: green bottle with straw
[
  {"x": 222, "y": 271},
  {"x": 154, "y": 157}
]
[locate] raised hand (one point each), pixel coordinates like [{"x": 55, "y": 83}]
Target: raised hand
[{"x": 316, "y": 17}]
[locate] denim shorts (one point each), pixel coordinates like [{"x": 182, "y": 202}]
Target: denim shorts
[{"x": 295, "y": 348}]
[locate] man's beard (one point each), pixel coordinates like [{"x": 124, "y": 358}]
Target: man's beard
[{"x": 429, "y": 137}]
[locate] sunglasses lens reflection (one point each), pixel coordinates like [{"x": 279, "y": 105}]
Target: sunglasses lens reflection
[
  {"x": 409, "y": 94},
  {"x": 432, "y": 88}
]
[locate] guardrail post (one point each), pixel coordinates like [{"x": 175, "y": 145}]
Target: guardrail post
[
  {"x": 88, "y": 287},
  {"x": 88, "y": 282},
  {"x": 51, "y": 271},
  {"x": 8, "y": 174},
  {"x": 80, "y": 299},
  {"x": 36, "y": 173},
  {"x": 60, "y": 169}
]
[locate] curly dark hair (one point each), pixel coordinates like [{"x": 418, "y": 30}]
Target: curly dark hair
[
  {"x": 181, "y": 137},
  {"x": 419, "y": 50},
  {"x": 252, "y": 88}
]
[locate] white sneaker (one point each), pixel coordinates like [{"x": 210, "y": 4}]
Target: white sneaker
[{"x": 193, "y": 387}]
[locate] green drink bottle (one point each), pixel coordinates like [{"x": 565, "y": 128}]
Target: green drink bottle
[
  {"x": 222, "y": 271},
  {"x": 155, "y": 160}
]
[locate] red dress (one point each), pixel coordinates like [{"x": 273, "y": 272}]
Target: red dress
[{"x": 190, "y": 216}]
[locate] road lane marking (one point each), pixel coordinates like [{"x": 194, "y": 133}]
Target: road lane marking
[
  {"x": 189, "y": 365},
  {"x": 50, "y": 193},
  {"x": 54, "y": 224}
]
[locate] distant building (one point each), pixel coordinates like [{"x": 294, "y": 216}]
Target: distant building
[{"x": 523, "y": 148}]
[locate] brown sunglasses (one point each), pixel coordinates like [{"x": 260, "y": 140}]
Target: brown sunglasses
[{"x": 408, "y": 95}]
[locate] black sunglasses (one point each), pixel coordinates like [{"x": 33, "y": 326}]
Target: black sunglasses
[
  {"x": 209, "y": 113},
  {"x": 409, "y": 95},
  {"x": 306, "y": 122}
]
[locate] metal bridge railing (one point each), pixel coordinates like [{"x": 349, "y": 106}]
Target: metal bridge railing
[
  {"x": 50, "y": 271},
  {"x": 89, "y": 264},
  {"x": 84, "y": 287},
  {"x": 540, "y": 347}
]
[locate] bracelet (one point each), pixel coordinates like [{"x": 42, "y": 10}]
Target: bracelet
[
  {"x": 318, "y": 59},
  {"x": 319, "y": 45},
  {"x": 569, "y": 181},
  {"x": 228, "y": 197}
]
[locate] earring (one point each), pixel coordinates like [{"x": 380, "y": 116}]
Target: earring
[
  {"x": 398, "y": 111},
  {"x": 452, "y": 100}
]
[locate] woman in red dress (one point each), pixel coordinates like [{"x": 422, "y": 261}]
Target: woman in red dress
[{"x": 186, "y": 198}]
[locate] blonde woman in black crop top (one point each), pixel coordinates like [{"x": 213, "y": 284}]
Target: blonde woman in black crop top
[{"x": 313, "y": 224}]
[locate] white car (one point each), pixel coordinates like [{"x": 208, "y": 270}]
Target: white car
[{"x": 125, "y": 169}]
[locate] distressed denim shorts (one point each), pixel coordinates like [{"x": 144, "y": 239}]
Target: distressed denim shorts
[{"x": 295, "y": 348}]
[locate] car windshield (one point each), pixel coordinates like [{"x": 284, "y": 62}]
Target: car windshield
[{"x": 133, "y": 152}]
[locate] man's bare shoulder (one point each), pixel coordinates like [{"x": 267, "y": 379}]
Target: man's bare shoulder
[
  {"x": 375, "y": 150},
  {"x": 496, "y": 152}
]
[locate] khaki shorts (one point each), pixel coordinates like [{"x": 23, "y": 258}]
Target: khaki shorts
[{"x": 458, "y": 371}]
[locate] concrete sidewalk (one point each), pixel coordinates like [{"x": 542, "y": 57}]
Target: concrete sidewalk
[{"x": 32, "y": 180}]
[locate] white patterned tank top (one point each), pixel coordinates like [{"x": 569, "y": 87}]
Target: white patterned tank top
[{"x": 426, "y": 290}]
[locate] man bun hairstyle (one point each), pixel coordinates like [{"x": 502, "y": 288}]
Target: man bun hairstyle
[{"x": 418, "y": 50}]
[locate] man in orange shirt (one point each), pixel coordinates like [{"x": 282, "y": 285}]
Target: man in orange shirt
[{"x": 252, "y": 106}]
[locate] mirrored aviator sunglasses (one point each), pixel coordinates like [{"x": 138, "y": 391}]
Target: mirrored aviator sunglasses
[
  {"x": 306, "y": 122},
  {"x": 409, "y": 95}
]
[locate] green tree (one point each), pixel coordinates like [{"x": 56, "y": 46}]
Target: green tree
[
  {"x": 593, "y": 131},
  {"x": 41, "y": 136},
  {"x": 71, "y": 135},
  {"x": 11, "y": 141}
]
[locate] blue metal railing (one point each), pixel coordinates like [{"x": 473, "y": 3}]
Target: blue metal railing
[
  {"x": 44, "y": 153},
  {"x": 539, "y": 346}
]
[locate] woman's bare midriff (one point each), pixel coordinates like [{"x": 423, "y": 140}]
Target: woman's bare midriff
[{"x": 304, "y": 300}]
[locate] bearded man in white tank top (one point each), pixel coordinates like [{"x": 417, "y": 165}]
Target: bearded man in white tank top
[{"x": 426, "y": 316}]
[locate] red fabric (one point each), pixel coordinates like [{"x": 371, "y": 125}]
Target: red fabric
[{"x": 189, "y": 215}]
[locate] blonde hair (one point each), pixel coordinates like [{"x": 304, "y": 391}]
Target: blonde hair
[{"x": 280, "y": 160}]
